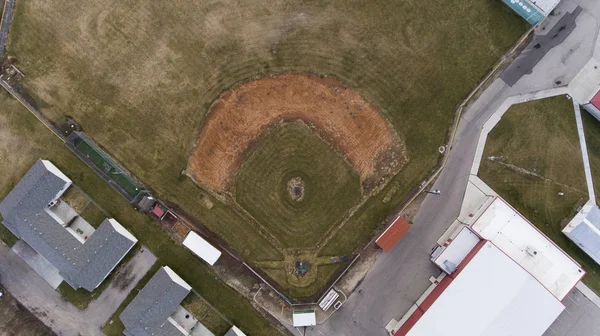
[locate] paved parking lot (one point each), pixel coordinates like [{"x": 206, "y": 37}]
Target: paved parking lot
[
  {"x": 580, "y": 317},
  {"x": 38, "y": 263}
]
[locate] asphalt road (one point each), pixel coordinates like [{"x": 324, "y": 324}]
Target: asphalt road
[{"x": 399, "y": 277}]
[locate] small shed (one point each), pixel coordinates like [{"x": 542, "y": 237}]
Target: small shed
[
  {"x": 146, "y": 203},
  {"x": 304, "y": 318},
  {"x": 201, "y": 248},
  {"x": 392, "y": 234}
]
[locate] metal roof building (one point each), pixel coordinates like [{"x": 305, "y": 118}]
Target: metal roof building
[
  {"x": 150, "y": 311},
  {"x": 490, "y": 295},
  {"x": 527, "y": 246},
  {"x": 201, "y": 248},
  {"x": 29, "y": 212},
  {"x": 501, "y": 276},
  {"x": 584, "y": 230}
]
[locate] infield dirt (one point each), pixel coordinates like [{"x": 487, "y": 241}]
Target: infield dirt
[{"x": 338, "y": 114}]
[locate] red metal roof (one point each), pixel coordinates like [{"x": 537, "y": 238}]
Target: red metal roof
[
  {"x": 392, "y": 235},
  {"x": 158, "y": 211},
  {"x": 596, "y": 100},
  {"x": 410, "y": 322},
  {"x": 437, "y": 291}
]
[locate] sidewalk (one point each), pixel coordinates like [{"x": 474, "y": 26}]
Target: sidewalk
[
  {"x": 584, "y": 153},
  {"x": 585, "y": 290}
]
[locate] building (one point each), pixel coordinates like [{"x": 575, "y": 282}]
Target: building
[
  {"x": 585, "y": 87},
  {"x": 33, "y": 212},
  {"x": 304, "y": 318},
  {"x": 500, "y": 276},
  {"x": 584, "y": 230},
  {"x": 150, "y": 311},
  {"x": 157, "y": 310},
  {"x": 392, "y": 234},
  {"x": 201, "y": 248},
  {"x": 533, "y": 11}
]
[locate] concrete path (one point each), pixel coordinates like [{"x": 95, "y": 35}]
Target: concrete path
[
  {"x": 584, "y": 153},
  {"x": 49, "y": 306},
  {"x": 580, "y": 317},
  {"x": 399, "y": 277}
]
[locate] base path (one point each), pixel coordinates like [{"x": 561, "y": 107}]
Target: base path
[{"x": 334, "y": 111}]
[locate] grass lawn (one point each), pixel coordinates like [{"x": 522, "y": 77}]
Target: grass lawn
[
  {"x": 93, "y": 215},
  {"x": 541, "y": 157},
  {"x": 329, "y": 186},
  {"x": 7, "y": 237},
  {"x": 140, "y": 75},
  {"x": 22, "y": 133}
]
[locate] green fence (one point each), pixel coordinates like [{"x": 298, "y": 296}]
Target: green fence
[{"x": 104, "y": 165}]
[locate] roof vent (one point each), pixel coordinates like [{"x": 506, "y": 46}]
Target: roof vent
[{"x": 532, "y": 251}]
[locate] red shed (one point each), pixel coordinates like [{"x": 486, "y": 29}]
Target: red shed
[{"x": 392, "y": 234}]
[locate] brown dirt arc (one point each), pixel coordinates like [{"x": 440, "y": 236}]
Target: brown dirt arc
[{"x": 337, "y": 113}]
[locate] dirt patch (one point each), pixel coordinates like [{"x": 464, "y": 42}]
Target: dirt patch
[
  {"x": 335, "y": 112},
  {"x": 296, "y": 189}
]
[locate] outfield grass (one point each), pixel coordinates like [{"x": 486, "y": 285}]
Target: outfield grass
[
  {"x": 139, "y": 77},
  {"x": 22, "y": 133},
  {"x": 331, "y": 186},
  {"x": 541, "y": 137}
]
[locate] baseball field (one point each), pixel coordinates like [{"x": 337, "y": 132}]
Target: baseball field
[{"x": 289, "y": 128}]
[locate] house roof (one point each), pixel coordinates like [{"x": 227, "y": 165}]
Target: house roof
[
  {"x": 584, "y": 230},
  {"x": 25, "y": 214},
  {"x": 234, "y": 331},
  {"x": 491, "y": 296},
  {"x": 149, "y": 312}
]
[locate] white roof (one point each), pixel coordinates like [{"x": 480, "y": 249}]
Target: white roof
[
  {"x": 304, "y": 318},
  {"x": 120, "y": 229},
  {"x": 522, "y": 242},
  {"x": 176, "y": 278},
  {"x": 201, "y": 248},
  {"x": 52, "y": 168},
  {"x": 457, "y": 250},
  {"x": 491, "y": 296},
  {"x": 546, "y": 5}
]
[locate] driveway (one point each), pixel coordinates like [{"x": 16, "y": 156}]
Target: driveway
[
  {"x": 48, "y": 305},
  {"x": 399, "y": 277}
]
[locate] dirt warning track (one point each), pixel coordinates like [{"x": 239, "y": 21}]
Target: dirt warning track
[{"x": 338, "y": 114}]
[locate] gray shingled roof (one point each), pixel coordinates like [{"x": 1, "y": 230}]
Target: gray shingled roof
[
  {"x": 147, "y": 314},
  {"x": 80, "y": 265}
]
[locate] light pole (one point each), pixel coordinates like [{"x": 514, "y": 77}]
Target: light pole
[{"x": 434, "y": 192}]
